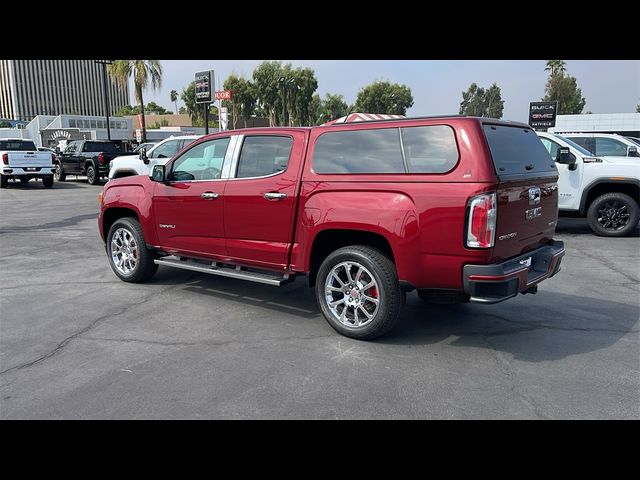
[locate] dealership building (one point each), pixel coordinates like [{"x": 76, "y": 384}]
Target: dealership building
[
  {"x": 29, "y": 88},
  {"x": 622, "y": 123}
]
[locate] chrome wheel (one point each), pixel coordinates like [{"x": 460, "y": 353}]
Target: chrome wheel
[
  {"x": 613, "y": 215},
  {"x": 352, "y": 294},
  {"x": 124, "y": 251}
]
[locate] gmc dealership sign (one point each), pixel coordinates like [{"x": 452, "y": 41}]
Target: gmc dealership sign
[{"x": 542, "y": 114}]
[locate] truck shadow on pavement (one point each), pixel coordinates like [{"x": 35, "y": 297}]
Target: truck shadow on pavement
[
  {"x": 37, "y": 185},
  {"x": 547, "y": 326}
]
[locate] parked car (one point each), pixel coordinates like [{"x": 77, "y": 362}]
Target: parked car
[
  {"x": 87, "y": 157},
  {"x": 146, "y": 145},
  {"x": 22, "y": 161},
  {"x": 46, "y": 149},
  {"x": 605, "y": 144},
  {"x": 604, "y": 190},
  {"x": 459, "y": 208},
  {"x": 143, "y": 162}
]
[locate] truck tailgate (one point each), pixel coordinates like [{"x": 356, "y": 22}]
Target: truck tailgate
[{"x": 29, "y": 159}]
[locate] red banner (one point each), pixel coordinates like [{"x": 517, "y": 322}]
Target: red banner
[{"x": 224, "y": 95}]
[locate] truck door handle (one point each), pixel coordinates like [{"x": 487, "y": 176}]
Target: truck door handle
[
  {"x": 275, "y": 196},
  {"x": 210, "y": 195}
]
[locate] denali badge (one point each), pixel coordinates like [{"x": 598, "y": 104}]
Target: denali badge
[
  {"x": 534, "y": 196},
  {"x": 508, "y": 235},
  {"x": 533, "y": 213},
  {"x": 164, "y": 225}
]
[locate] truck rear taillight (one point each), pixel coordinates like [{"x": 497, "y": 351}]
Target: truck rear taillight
[
  {"x": 5, "y": 158},
  {"x": 101, "y": 159},
  {"x": 53, "y": 158},
  {"x": 481, "y": 227}
]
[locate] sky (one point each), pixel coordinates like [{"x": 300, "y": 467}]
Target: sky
[{"x": 609, "y": 86}]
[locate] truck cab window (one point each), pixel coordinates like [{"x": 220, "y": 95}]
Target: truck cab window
[
  {"x": 263, "y": 155},
  {"x": 202, "y": 162}
]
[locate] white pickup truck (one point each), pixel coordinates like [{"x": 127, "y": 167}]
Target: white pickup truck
[
  {"x": 606, "y": 190},
  {"x": 22, "y": 161}
]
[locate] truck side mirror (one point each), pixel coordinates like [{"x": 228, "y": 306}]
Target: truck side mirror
[
  {"x": 632, "y": 152},
  {"x": 157, "y": 174},
  {"x": 143, "y": 155},
  {"x": 565, "y": 157}
]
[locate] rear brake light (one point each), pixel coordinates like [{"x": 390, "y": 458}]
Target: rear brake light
[
  {"x": 481, "y": 229},
  {"x": 5, "y": 158},
  {"x": 101, "y": 159},
  {"x": 53, "y": 158}
]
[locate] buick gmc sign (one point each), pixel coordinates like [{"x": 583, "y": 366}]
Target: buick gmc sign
[{"x": 542, "y": 114}]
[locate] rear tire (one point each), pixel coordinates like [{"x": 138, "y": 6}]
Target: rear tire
[
  {"x": 358, "y": 292},
  {"x": 60, "y": 175},
  {"x": 92, "y": 175},
  {"x": 613, "y": 215},
  {"x": 47, "y": 181},
  {"x": 128, "y": 255},
  {"x": 4, "y": 181}
]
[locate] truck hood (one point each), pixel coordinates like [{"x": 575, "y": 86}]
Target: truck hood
[{"x": 622, "y": 160}]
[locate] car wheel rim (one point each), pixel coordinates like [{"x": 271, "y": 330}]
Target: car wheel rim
[
  {"x": 57, "y": 174},
  {"x": 613, "y": 215},
  {"x": 124, "y": 251},
  {"x": 352, "y": 294},
  {"x": 90, "y": 174}
]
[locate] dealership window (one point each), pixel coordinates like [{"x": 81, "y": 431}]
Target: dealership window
[
  {"x": 72, "y": 123},
  {"x": 112, "y": 123},
  {"x": 263, "y": 155},
  {"x": 93, "y": 124},
  {"x": 359, "y": 151},
  {"x": 429, "y": 149}
]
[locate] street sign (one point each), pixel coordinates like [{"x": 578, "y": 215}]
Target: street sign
[
  {"x": 138, "y": 135},
  {"x": 224, "y": 95},
  {"x": 204, "y": 86},
  {"x": 224, "y": 118},
  {"x": 542, "y": 114}
]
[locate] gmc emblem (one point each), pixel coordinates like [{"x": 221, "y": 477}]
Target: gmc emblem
[{"x": 533, "y": 213}]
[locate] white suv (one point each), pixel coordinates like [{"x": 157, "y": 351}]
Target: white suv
[
  {"x": 606, "y": 192},
  {"x": 142, "y": 164},
  {"x": 605, "y": 144}
]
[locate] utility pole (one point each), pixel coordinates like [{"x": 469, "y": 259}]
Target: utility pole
[{"x": 104, "y": 64}]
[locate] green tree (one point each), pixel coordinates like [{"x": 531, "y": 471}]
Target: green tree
[
  {"x": 299, "y": 94},
  {"x": 267, "y": 89},
  {"x": 384, "y": 97},
  {"x": 161, "y": 123},
  {"x": 564, "y": 89},
  {"x": 324, "y": 110},
  {"x": 315, "y": 110},
  {"x": 5, "y": 124},
  {"x": 638, "y": 108},
  {"x": 243, "y": 99},
  {"x": 478, "y": 102},
  {"x": 127, "y": 110},
  {"x": 153, "y": 107},
  {"x": 182, "y": 111},
  {"x": 143, "y": 72},
  {"x": 555, "y": 67},
  {"x": 174, "y": 98},
  {"x": 196, "y": 110}
]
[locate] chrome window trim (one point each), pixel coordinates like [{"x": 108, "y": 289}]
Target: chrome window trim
[{"x": 238, "y": 148}]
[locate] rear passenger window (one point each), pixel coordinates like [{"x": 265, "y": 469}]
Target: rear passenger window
[
  {"x": 359, "y": 151},
  {"x": 263, "y": 155},
  {"x": 429, "y": 149}
]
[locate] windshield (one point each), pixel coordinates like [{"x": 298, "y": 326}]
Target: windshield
[
  {"x": 634, "y": 140},
  {"x": 573, "y": 144},
  {"x": 19, "y": 145}
]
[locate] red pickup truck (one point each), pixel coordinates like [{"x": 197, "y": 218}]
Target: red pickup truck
[{"x": 459, "y": 208}]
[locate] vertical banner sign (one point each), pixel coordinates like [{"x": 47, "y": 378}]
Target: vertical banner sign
[
  {"x": 542, "y": 114},
  {"x": 204, "y": 86}
]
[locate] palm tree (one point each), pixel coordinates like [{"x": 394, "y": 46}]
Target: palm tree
[
  {"x": 142, "y": 71},
  {"x": 174, "y": 98},
  {"x": 555, "y": 66}
]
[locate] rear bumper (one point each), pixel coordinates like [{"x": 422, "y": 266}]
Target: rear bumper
[
  {"x": 501, "y": 281},
  {"x": 31, "y": 172}
]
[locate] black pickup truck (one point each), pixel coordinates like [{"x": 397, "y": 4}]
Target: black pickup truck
[{"x": 87, "y": 157}]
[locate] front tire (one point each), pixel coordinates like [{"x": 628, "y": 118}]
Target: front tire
[
  {"x": 613, "y": 215},
  {"x": 358, "y": 292},
  {"x": 47, "y": 181},
  {"x": 60, "y": 175},
  {"x": 92, "y": 175},
  {"x": 128, "y": 255}
]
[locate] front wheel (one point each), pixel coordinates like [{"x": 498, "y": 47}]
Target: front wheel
[
  {"x": 613, "y": 215},
  {"x": 358, "y": 292},
  {"x": 92, "y": 175},
  {"x": 129, "y": 257}
]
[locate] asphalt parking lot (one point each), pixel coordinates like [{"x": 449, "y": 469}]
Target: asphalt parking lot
[{"x": 77, "y": 343}]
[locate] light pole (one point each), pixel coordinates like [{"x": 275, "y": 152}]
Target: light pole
[
  {"x": 104, "y": 64},
  {"x": 282, "y": 82}
]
